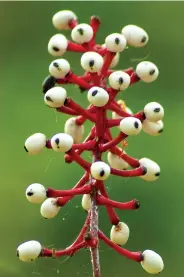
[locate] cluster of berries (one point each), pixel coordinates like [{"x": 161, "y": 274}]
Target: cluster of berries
[{"x": 97, "y": 61}]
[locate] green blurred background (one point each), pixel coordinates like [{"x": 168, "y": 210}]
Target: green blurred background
[{"x": 25, "y": 28}]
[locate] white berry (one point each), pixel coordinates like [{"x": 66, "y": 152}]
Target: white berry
[
  {"x": 35, "y": 143},
  {"x": 57, "y": 45},
  {"x": 147, "y": 71},
  {"x": 62, "y": 18},
  {"x": 86, "y": 202},
  {"x": 36, "y": 193},
  {"x": 49, "y": 208},
  {"x": 29, "y": 251},
  {"x": 135, "y": 36},
  {"x": 116, "y": 162},
  {"x": 130, "y": 126},
  {"x": 153, "y": 128},
  {"x": 152, "y": 262},
  {"x": 55, "y": 97},
  {"x": 74, "y": 130},
  {"x": 154, "y": 111},
  {"x": 115, "y": 42},
  {"x": 119, "y": 233},
  {"x": 152, "y": 169},
  {"x": 100, "y": 170},
  {"x": 82, "y": 33},
  {"x": 98, "y": 96},
  {"x": 119, "y": 80},
  {"x": 59, "y": 68},
  {"x": 92, "y": 62},
  {"x": 61, "y": 142}
]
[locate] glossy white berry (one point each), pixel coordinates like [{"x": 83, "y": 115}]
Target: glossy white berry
[
  {"x": 115, "y": 42},
  {"x": 82, "y": 33},
  {"x": 147, "y": 71},
  {"x": 92, "y": 62},
  {"x": 61, "y": 142},
  {"x": 62, "y": 18},
  {"x": 36, "y": 193},
  {"x": 119, "y": 233},
  {"x": 35, "y": 143},
  {"x": 152, "y": 262},
  {"x": 55, "y": 97},
  {"x": 59, "y": 68},
  {"x": 98, "y": 96},
  {"x": 116, "y": 162},
  {"x": 152, "y": 169},
  {"x": 86, "y": 202},
  {"x": 100, "y": 170},
  {"x": 29, "y": 251},
  {"x": 119, "y": 80},
  {"x": 74, "y": 130},
  {"x": 135, "y": 36},
  {"x": 153, "y": 128},
  {"x": 49, "y": 208},
  {"x": 57, "y": 45},
  {"x": 154, "y": 111},
  {"x": 130, "y": 126}
]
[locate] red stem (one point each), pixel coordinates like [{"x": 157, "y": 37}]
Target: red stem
[
  {"x": 108, "y": 59},
  {"x": 71, "y": 192},
  {"x": 75, "y": 157},
  {"x": 67, "y": 110},
  {"x": 131, "y": 205},
  {"x": 130, "y": 160},
  {"x": 113, "y": 142},
  {"x": 75, "y": 47},
  {"x": 136, "y": 256},
  {"x": 85, "y": 145},
  {"x": 128, "y": 173}
]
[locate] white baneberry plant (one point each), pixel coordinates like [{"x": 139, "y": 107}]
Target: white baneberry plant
[{"x": 103, "y": 85}]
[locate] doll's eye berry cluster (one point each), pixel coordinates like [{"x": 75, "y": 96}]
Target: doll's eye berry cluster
[{"x": 102, "y": 86}]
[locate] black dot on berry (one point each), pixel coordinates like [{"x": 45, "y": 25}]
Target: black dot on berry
[
  {"x": 55, "y": 48},
  {"x": 157, "y": 110},
  {"x": 30, "y": 193},
  {"x": 94, "y": 92},
  {"x": 136, "y": 124},
  {"x": 102, "y": 173},
  {"x": 25, "y": 149},
  {"x": 120, "y": 80},
  {"x": 17, "y": 253},
  {"x": 152, "y": 72},
  {"x": 144, "y": 38},
  {"x": 117, "y": 40},
  {"x": 81, "y": 31},
  {"x": 91, "y": 63},
  {"x": 157, "y": 174},
  {"x": 48, "y": 98},
  {"x": 160, "y": 131},
  {"x": 57, "y": 141},
  {"x": 56, "y": 65}
]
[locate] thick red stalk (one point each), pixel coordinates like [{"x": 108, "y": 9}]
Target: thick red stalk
[
  {"x": 113, "y": 142},
  {"x": 130, "y": 160},
  {"x": 131, "y": 205},
  {"x": 128, "y": 173},
  {"x": 70, "y": 192},
  {"x": 75, "y": 47},
  {"x": 108, "y": 59}
]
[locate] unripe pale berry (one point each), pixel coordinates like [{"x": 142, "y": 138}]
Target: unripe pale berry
[
  {"x": 116, "y": 162},
  {"x": 49, "y": 208},
  {"x": 59, "y": 68},
  {"x": 100, "y": 170},
  {"x": 147, "y": 71},
  {"x": 135, "y": 36},
  {"x": 29, "y": 251},
  {"x": 36, "y": 193},
  {"x": 98, "y": 96},
  {"x": 131, "y": 126},
  {"x": 82, "y": 33},
  {"x": 152, "y": 262},
  {"x": 152, "y": 169},
  {"x": 74, "y": 130},
  {"x": 35, "y": 143},
  {"x": 61, "y": 142},
  {"x": 61, "y": 19},
  {"x": 154, "y": 111},
  {"x": 55, "y": 97},
  {"x": 115, "y": 60},
  {"x": 57, "y": 45},
  {"x": 92, "y": 62},
  {"x": 119, "y": 80},
  {"x": 153, "y": 128},
  {"x": 115, "y": 42},
  {"x": 86, "y": 202},
  {"x": 119, "y": 233}
]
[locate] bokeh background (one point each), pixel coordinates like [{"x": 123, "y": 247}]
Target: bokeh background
[{"x": 25, "y": 28}]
